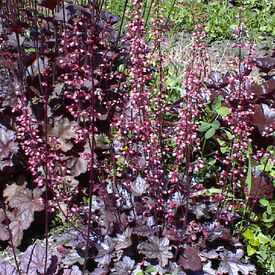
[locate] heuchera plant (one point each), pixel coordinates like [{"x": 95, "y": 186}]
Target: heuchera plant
[{"x": 89, "y": 116}]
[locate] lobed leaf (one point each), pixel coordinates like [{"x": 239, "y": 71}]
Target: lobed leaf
[
  {"x": 33, "y": 260},
  {"x": 156, "y": 249},
  {"x": 16, "y": 228},
  {"x": 27, "y": 199},
  {"x": 7, "y": 269}
]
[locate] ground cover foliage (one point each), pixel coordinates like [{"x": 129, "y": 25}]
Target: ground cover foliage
[{"x": 115, "y": 160}]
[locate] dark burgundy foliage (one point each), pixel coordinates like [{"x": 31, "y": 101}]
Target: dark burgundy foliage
[
  {"x": 190, "y": 259},
  {"x": 266, "y": 64},
  {"x": 49, "y": 4},
  {"x": 217, "y": 80},
  {"x": 74, "y": 125},
  {"x": 262, "y": 185}
]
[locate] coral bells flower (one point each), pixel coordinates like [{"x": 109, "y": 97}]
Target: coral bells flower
[
  {"x": 139, "y": 124},
  {"x": 28, "y": 133},
  {"x": 186, "y": 130},
  {"x": 33, "y": 143}
]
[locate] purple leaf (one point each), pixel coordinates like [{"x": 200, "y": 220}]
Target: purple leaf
[
  {"x": 72, "y": 257},
  {"x": 105, "y": 251},
  {"x": 231, "y": 264},
  {"x": 27, "y": 199},
  {"x": 16, "y": 228},
  {"x": 33, "y": 260},
  {"x": 156, "y": 249},
  {"x": 26, "y": 217},
  {"x": 72, "y": 271},
  {"x": 29, "y": 59},
  {"x": 59, "y": 16},
  {"x": 11, "y": 190},
  {"x": 49, "y": 4},
  {"x": 6, "y": 269},
  {"x": 263, "y": 117},
  {"x": 265, "y": 64},
  {"x": 108, "y": 17},
  {"x": 4, "y": 233},
  {"x": 53, "y": 268},
  {"x": 219, "y": 232},
  {"x": 190, "y": 260},
  {"x": 8, "y": 145},
  {"x": 261, "y": 185},
  {"x": 123, "y": 267},
  {"x": 217, "y": 80},
  {"x": 99, "y": 271},
  {"x": 123, "y": 240}
]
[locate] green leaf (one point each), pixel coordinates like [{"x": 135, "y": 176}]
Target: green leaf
[
  {"x": 217, "y": 103},
  {"x": 150, "y": 268},
  {"x": 221, "y": 142},
  {"x": 204, "y": 126},
  {"x": 264, "y": 202},
  {"x": 210, "y": 133},
  {"x": 121, "y": 68},
  {"x": 216, "y": 124},
  {"x": 211, "y": 191},
  {"x": 267, "y": 219},
  {"x": 229, "y": 135},
  {"x": 248, "y": 179},
  {"x": 272, "y": 267},
  {"x": 224, "y": 149},
  {"x": 176, "y": 271},
  {"x": 263, "y": 239},
  {"x": 262, "y": 253},
  {"x": 248, "y": 234},
  {"x": 140, "y": 273},
  {"x": 223, "y": 111},
  {"x": 29, "y": 50},
  {"x": 254, "y": 242},
  {"x": 250, "y": 250}
]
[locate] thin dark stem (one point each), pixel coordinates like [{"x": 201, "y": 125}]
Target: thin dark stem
[
  {"x": 144, "y": 9},
  {"x": 46, "y": 179},
  {"x": 46, "y": 137},
  {"x": 186, "y": 183},
  {"x": 122, "y": 19},
  {"x": 170, "y": 11},
  {"x": 91, "y": 143},
  {"x": 11, "y": 242},
  {"x": 148, "y": 14}
]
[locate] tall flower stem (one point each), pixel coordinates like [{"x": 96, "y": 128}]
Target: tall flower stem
[{"x": 92, "y": 141}]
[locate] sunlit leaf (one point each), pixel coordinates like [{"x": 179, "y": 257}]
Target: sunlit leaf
[
  {"x": 33, "y": 260},
  {"x": 27, "y": 199},
  {"x": 123, "y": 240},
  {"x": 74, "y": 270},
  {"x": 7, "y": 269},
  {"x": 231, "y": 263},
  {"x": 4, "y": 233},
  {"x": 156, "y": 249},
  {"x": 8, "y": 144},
  {"x": 16, "y": 227},
  {"x": 222, "y": 111},
  {"x": 123, "y": 267},
  {"x": 11, "y": 190}
]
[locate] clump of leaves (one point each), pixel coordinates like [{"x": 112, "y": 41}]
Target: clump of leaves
[{"x": 23, "y": 202}]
